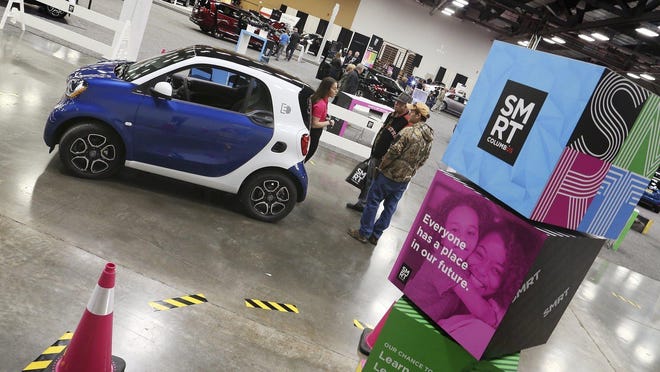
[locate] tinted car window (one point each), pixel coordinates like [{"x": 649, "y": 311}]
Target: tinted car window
[{"x": 130, "y": 72}]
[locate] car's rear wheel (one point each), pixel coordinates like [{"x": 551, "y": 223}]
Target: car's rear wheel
[
  {"x": 443, "y": 106},
  {"x": 54, "y": 12},
  {"x": 268, "y": 196},
  {"x": 91, "y": 150}
]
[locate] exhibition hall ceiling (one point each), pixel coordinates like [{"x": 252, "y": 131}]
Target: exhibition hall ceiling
[{"x": 622, "y": 35}]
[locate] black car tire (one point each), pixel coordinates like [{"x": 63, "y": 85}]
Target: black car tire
[
  {"x": 443, "y": 106},
  {"x": 91, "y": 150},
  {"x": 55, "y": 13},
  {"x": 205, "y": 29},
  {"x": 268, "y": 196}
]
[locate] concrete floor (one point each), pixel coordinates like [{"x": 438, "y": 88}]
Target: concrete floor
[{"x": 171, "y": 239}]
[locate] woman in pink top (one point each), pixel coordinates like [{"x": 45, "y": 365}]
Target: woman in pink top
[{"x": 327, "y": 89}]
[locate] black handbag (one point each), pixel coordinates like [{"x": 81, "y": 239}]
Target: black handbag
[{"x": 358, "y": 176}]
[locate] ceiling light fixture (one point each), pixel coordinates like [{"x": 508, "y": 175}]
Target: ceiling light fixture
[
  {"x": 461, "y": 2},
  {"x": 523, "y": 43},
  {"x": 586, "y": 37},
  {"x": 634, "y": 76},
  {"x": 600, "y": 36},
  {"x": 647, "y": 77},
  {"x": 558, "y": 40},
  {"x": 646, "y": 32},
  {"x": 549, "y": 41},
  {"x": 447, "y": 11},
  {"x": 458, "y": 4}
]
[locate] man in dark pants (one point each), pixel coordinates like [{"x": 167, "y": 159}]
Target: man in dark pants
[
  {"x": 405, "y": 156},
  {"x": 396, "y": 121},
  {"x": 294, "y": 40}
]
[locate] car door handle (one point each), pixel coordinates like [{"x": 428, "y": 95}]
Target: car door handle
[{"x": 261, "y": 117}]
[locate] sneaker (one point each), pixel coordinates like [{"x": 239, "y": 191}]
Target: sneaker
[
  {"x": 355, "y": 207},
  {"x": 373, "y": 240},
  {"x": 355, "y": 234}
]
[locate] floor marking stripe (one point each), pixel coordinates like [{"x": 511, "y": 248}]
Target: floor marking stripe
[
  {"x": 192, "y": 300},
  {"x": 174, "y": 302},
  {"x": 271, "y": 305},
  {"x": 626, "y": 300},
  {"x": 35, "y": 366},
  {"x": 177, "y": 302},
  {"x": 54, "y": 349},
  {"x": 51, "y": 353},
  {"x": 361, "y": 325}
]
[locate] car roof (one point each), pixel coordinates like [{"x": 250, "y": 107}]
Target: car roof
[{"x": 208, "y": 51}]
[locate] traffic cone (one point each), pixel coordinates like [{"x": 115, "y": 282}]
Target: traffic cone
[
  {"x": 369, "y": 337},
  {"x": 90, "y": 349}
]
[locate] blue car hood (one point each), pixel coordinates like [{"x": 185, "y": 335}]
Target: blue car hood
[{"x": 101, "y": 70}]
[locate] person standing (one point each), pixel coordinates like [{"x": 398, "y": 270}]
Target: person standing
[
  {"x": 396, "y": 121},
  {"x": 284, "y": 40},
  {"x": 294, "y": 40},
  {"x": 326, "y": 90},
  {"x": 407, "y": 154},
  {"x": 356, "y": 58},
  {"x": 352, "y": 82}
]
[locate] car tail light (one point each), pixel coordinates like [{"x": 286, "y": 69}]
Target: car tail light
[{"x": 304, "y": 143}]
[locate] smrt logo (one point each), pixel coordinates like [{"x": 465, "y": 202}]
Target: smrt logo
[{"x": 512, "y": 120}]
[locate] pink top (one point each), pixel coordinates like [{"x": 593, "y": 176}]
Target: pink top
[{"x": 320, "y": 109}]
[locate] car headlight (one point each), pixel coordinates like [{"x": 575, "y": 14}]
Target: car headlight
[{"x": 75, "y": 87}]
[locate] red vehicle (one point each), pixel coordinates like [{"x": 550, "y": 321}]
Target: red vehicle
[{"x": 226, "y": 21}]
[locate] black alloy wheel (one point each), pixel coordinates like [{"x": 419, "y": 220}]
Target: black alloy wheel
[
  {"x": 268, "y": 196},
  {"x": 91, "y": 150}
]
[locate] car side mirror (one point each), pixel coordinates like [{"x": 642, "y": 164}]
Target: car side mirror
[{"x": 162, "y": 89}]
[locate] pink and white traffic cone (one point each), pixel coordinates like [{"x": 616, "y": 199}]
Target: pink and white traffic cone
[{"x": 90, "y": 349}]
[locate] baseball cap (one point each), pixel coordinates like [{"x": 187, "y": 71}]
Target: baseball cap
[
  {"x": 404, "y": 97},
  {"x": 422, "y": 108}
]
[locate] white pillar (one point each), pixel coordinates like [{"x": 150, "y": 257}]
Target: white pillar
[
  {"x": 331, "y": 22},
  {"x": 137, "y": 13}
]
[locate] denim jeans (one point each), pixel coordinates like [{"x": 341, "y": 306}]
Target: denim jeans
[
  {"x": 371, "y": 174},
  {"x": 382, "y": 190}
]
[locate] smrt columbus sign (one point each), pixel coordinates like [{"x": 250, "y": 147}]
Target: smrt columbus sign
[{"x": 511, "y": 121}]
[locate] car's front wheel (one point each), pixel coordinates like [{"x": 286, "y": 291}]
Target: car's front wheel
[
  {"x": 91, "y": 150},
  {"x": 268, "y": 196},
  {"x": 54, "y": 12}
]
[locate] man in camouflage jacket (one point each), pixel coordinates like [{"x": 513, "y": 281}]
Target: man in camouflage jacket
[{"x": 407, "y": 154}]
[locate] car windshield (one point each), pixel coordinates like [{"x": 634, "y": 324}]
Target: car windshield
[{"x": 138, "y": 69}]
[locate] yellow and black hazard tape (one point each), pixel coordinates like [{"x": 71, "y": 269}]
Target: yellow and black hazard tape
[
  {"x": 270, "y": 305},
  {"x": 177, "y": 302},
  {"x": 360, "y": 325},
  {"x": 46, "y": 358}
]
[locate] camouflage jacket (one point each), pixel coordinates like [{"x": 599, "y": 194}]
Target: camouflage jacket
[{"x": 407, "y": 154}]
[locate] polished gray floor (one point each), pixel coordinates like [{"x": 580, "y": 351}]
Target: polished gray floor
[{"x": 171, "y": 239}]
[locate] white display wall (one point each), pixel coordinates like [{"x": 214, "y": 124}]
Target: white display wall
[{"x": 443, "y": 41}]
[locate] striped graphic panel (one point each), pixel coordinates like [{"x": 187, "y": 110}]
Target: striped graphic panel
[
  {"x": 270, "y": 305},
  {"x": 50, "y": 354},
  {"x": 614, "y": 203},
  {"x": 177, "y": 302},
  {"x": 641, "y": 150},
  {"x": 609, "y": 116},
  {"x": 573, "y": 184}
]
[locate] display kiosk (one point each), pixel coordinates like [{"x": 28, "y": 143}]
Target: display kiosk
[{"x": 359, "y": 120}]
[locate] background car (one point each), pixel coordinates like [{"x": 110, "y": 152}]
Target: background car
[
  {"x": 651, "y": 196},
  {"x": 225, "y": 21},
  {"x": 378, "y": 87},
  {"x": 199, "y": 114},
  {"x": 453, "y": 103},
  {"x": 51, "y": 11},
  {"x": 312, "y": 42}
]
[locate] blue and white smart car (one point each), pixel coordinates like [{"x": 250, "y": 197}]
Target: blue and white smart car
[{"x": 199, "y": 114}]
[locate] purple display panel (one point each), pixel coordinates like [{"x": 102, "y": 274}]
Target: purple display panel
[
  {"x": 464, "y": 260},
  {"x": 485, "y": 275},
  {"x": 571, "y": 188}
]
